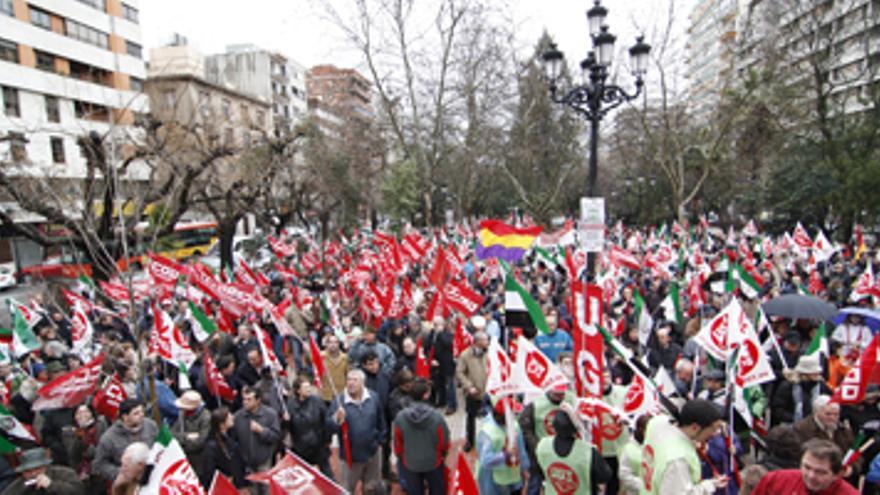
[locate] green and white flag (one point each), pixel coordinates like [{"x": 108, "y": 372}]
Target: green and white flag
[
  {"x": 520, "y": 310},
  {"x": 549, "y": 257},
  {"x": 747, "y": 285},
  {"x": 12, "y": 427},
  {"x": 643, "y": 318},
  {"x": 819, "y": 344},
  {"x": 23, "y": 339},
  {"x": 671, "y": 305},
  {"x": 202, "y": 326},
  {"x": 183, "y": 382},
  {"x": 172, "y": 472}
]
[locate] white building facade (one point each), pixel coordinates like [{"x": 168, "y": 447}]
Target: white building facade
[{"x": 67, "y": 67}]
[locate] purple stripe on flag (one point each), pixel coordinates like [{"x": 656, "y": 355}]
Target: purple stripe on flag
[{"x": 511, "y": 255}]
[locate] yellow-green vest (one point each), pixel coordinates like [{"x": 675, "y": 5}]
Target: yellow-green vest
[
  {"x": 502, "y": 475},
  {"x": 570, "y": 473},
  {"x": 665, "y": 443},
  {"x": 615, "y": 398},
  {"x": 545, "y": 411}
]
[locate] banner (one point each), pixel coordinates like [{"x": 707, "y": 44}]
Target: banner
[
  {"x": 71, "y": 389},
  {"x": 297, "y": 477}
]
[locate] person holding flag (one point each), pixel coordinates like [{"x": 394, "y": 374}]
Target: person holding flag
[
  {"x": 501, "y": 463},
  {"x": 570, "y": 465},
  {"x": 536, "y": 421},
  {"x": 670, "y": 463}
]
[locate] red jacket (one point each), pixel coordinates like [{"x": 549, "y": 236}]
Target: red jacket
[{"x": 791, "y": 482}]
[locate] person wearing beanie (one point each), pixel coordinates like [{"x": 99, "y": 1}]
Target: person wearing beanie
[
  {"x": 500, "y": 467},
  {"x": 670, "y": 464},
  {"x": 569, "y": 464}
]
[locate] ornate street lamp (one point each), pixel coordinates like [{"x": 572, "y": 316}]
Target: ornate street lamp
[{"x": 594, "y": 97}]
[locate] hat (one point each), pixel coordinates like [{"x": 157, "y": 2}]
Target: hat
[
  {"x": 32, "y": 459},
  {"x": 189, "y": 401},
  {"x": 714, "y": 375},
  {"x": 499, "y": 402},
  {"x": 808, "y": 364},
  {"x": 478, "y": 322},
  {"x": 792, "y": 336},
  {"x": 559, "y": 387},
  {"x": 38, "y": 368},
  {"x": 55, "y": 367}
]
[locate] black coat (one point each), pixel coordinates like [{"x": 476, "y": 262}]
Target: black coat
[
  {"x": 783, "y": 404},
  {"x": 309, "y": 435},
  {"x": 227, "y": 460}
]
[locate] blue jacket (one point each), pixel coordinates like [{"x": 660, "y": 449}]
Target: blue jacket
[
  {"x": 489, "y": 458},
  {"x": 554, "y": 343},
  {"x": 366, "y": 425},
  {"x": 874, "y": 471},
  {"x": 166, "y": 399}
]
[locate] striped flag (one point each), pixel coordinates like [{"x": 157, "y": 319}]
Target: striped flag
[
  {"x": 672, "y": 305},
  {"x": 520, "y": 310},
  {"x": 643, "y": 318},
  {"x": 201, "y": 325}
]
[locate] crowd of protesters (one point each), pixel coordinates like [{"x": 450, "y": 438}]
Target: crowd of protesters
[{"x": 384, "y": 417}]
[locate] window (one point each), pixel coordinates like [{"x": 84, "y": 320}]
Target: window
[
  {"x": 133, "y": 49},
  {"x": 227, "y": 108},
  {"x": 261, "y": 118},
  {"x": 229, "y": 136},
  {"x": 86, "y": 34},
  {"x": 57, "y": 149},
  {"x": 52, "y": 112},
  {"x": 245, "y": 113},
  {"x": 130, "y": 13},
  {"x": 6, "y": 7},
  {"x": 90, "y": 111},
  {"x": 97, "y": 4},
  {"x": 16, "y": 146},
  {"x": 8, "y": 51},
  {"x": 41, "y": 18},
  {"x": 10, "y": 102},
  {"x": 45, "y": 61},
  {"x": 136, "y": 85}
]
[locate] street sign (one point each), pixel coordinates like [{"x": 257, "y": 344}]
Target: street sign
[{"x": 591, "y": 226}]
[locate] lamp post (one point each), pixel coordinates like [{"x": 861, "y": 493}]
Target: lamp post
[{"x": 594, "y": 97}]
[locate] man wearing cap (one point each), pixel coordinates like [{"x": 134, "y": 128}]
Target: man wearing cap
[
  {"x": 536, "y": 421},
  {"x": 713, "y": 388},
  {"x": 192, "y": 427},
  {"x": 570, "y": 465},
  {"x": 131, "y": 427},
  {"x": 470, "y": 373},
  {"x": 37, "y": 475},
  {"x": 794, "y": 398},
  {"x": 500, "y": 466},
  {"x": 670, "y": 464}
]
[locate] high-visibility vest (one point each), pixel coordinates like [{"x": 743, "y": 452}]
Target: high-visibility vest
[
  {"x": 570, "y": 474},
  {"x": 665, "y": 443},
  {"x": 502, "y": 475}
]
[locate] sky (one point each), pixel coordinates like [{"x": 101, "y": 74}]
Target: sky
[{"x": 300, "y": 30}]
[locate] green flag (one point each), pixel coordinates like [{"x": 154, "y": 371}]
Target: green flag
[
  {"x": 23, "y": 339},
  {"x": 672, "y": 305},
  {"x": 520, "y": 310},
  {"x": 819, "y": 343},
  {"x": 201, "y": 325}
]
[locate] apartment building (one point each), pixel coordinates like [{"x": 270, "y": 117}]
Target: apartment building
[
  {"x": 67, "y": 67},
  {"x": 711, "y": 47},
  {"x": 344, "y": 93},
  {"x": 264, "y": 74},
  {"x": 839, "y": 38}
]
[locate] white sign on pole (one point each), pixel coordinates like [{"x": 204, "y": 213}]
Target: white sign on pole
[{"x": 591, "y": 226}]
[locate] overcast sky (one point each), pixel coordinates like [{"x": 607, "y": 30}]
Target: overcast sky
[{"x": 298, "y": 29}]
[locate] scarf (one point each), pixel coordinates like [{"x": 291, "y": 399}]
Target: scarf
[{"x": 798, "y": 396}]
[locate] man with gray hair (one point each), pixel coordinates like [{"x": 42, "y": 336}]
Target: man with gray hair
[
  {"x": 470, "y": 373},
  {"x": 357, "y": 417},
  {"x": 131, "y": 470},
  {"x": 825, "y": 424}
]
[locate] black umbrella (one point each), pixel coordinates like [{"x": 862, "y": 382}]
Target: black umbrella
[{"x": 800, "y": 306}]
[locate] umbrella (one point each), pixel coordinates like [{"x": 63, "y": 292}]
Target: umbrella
[
  {"x": 871, "y": 317},
  {"x": 800, "y": 306}
]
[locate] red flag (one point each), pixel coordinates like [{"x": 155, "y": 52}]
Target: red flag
[
  {"x": 801, "y": 237},
  {"x": 215, "y": 382},
  {"x": 623, "y": 258},
  {"x": 440, "y": 271},
  {"x": 852, "y": 389},
  {"x": 294, "y": 476},
  {"x": 462, "y": 298},
  {"x": 462, "y": 340},
  {"x": 116, "y": 292},
  {"x": 423, "y": 363},
  {"x": 221, "y": 485},
  {"x": 436, "y": 307},
  {"x": 281, "y": 248},
  {"x": 108, "y": 398},
  {"x": 164, "y": 270},
  {"x": 462, "y": 480},
  {"x": 588, "y": 350},
  {"x": 317, "y": 361},
  {"x": 71, "y": 389}
]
